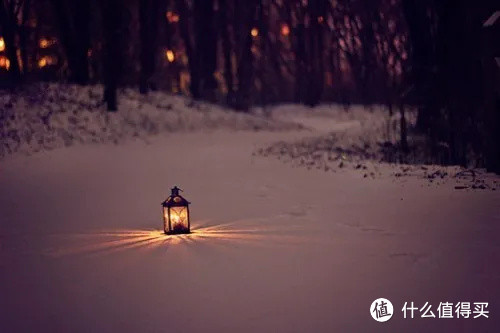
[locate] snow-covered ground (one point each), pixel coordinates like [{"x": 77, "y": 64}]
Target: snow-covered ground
[
  {"x": 276, "y": 247},
  {"x": 48, "y": 116}
]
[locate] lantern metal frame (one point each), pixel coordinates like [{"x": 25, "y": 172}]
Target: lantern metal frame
[{"x": 175, "y": 200}]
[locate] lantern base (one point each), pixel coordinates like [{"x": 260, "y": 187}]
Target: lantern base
[{"x": 177, "y": 232}]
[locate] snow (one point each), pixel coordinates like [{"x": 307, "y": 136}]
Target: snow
[
  {"x": 49, "y": 116},
  {"x": 276, "y": 247}
]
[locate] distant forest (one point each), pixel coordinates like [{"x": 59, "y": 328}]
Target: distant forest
[{"x": 440, "y": 57}]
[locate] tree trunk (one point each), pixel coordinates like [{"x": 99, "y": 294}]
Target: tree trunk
[
  {"x": 148, "y": 10},
  {"x": 404, "y": 130},
  {"x": 23, "y": 36},
  {"x": 245, "y": 62},
  {"x": 264, "y": 53},
  {"x": 369, "y": 66},
  {"x": 300, "y": 63},
  {"x": 423, "y": 57},
  {"x": 186, "y": 36},
  {"x": 74, "y": 20},
  {"x": 491, "y": 100},
  {"x": 205, "y": 47},
  {"x": 112, "y": 21},
  {"x": 314, "y": 52},
  {"x": 81, "y": 41},
  {"x": 227, "y": 51}
]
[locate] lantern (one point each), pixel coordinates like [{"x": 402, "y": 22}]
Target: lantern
[{"x": 175, "y": 214}]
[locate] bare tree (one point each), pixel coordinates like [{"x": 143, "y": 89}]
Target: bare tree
[
  {"x": 205, "y": 56},
  {"x": 148, "y": 17},
  {"x": 245, "y": 59},
  {"x": 186, "y": 33},
  {"x": 227, "y": 49},
  {"x": 74, "y": 29},
  {"x": 112, "y": 13}
]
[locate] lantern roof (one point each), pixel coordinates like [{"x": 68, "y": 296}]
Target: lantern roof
[{"x": 175, "y": 199}]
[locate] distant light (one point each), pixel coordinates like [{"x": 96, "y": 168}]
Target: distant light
[
  {"x": 254, "y": 32},
  {"x": 169, "y": 54},
  {"x": 42, "y": 62},
  {"x": 46, "y": 61},
  {"x": 320, "y": 19},
  {"x": 285, "y": 29},
  {"x": 2, "y": 44},
  {"x": 4, "y": 63},
  {"x": 172, "y": 17},
  {"x": 44, "y": 43}
]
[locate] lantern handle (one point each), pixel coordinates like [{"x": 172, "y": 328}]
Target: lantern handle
[{"x": 175, "y": 191}]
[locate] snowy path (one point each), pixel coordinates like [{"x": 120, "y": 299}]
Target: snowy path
[{"x": 275, "y": 248}]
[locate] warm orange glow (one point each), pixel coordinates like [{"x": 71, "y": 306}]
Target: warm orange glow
[
  {"x": 42, "y": 62},
  {"x": 46, "y": 61},
  {"x": 19, "y": 59},
  {"x": 107, "y": 242},
  {"x": 4, "y": 63},
  {"x": 2, "y": 44},
  {"x": 169, "y": 54},
  {"x": 320, "y": 19},
  {"x": 285, "y": 30},
  {"x": 44, "y": 43},
  {"x": 179, "y": 218},
  {"x": 110, "y": 241},
  {"x": 254, "y": 32},
  {"x": 172, "y": 17}
]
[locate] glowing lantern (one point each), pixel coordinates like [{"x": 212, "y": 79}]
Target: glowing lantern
[
  {"x": 2, "y": 44},
  {"x": 176, "y": 214},
  {"x": 170, "y": 55},
  {"x": 254, "y": 32}
]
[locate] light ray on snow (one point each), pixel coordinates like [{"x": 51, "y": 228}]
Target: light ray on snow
[{"x": 110, "y": 241}]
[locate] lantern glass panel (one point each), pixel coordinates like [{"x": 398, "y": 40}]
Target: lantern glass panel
[
  {"x": 179, "y": 219},
  {"x": 165, "y": 220}
]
